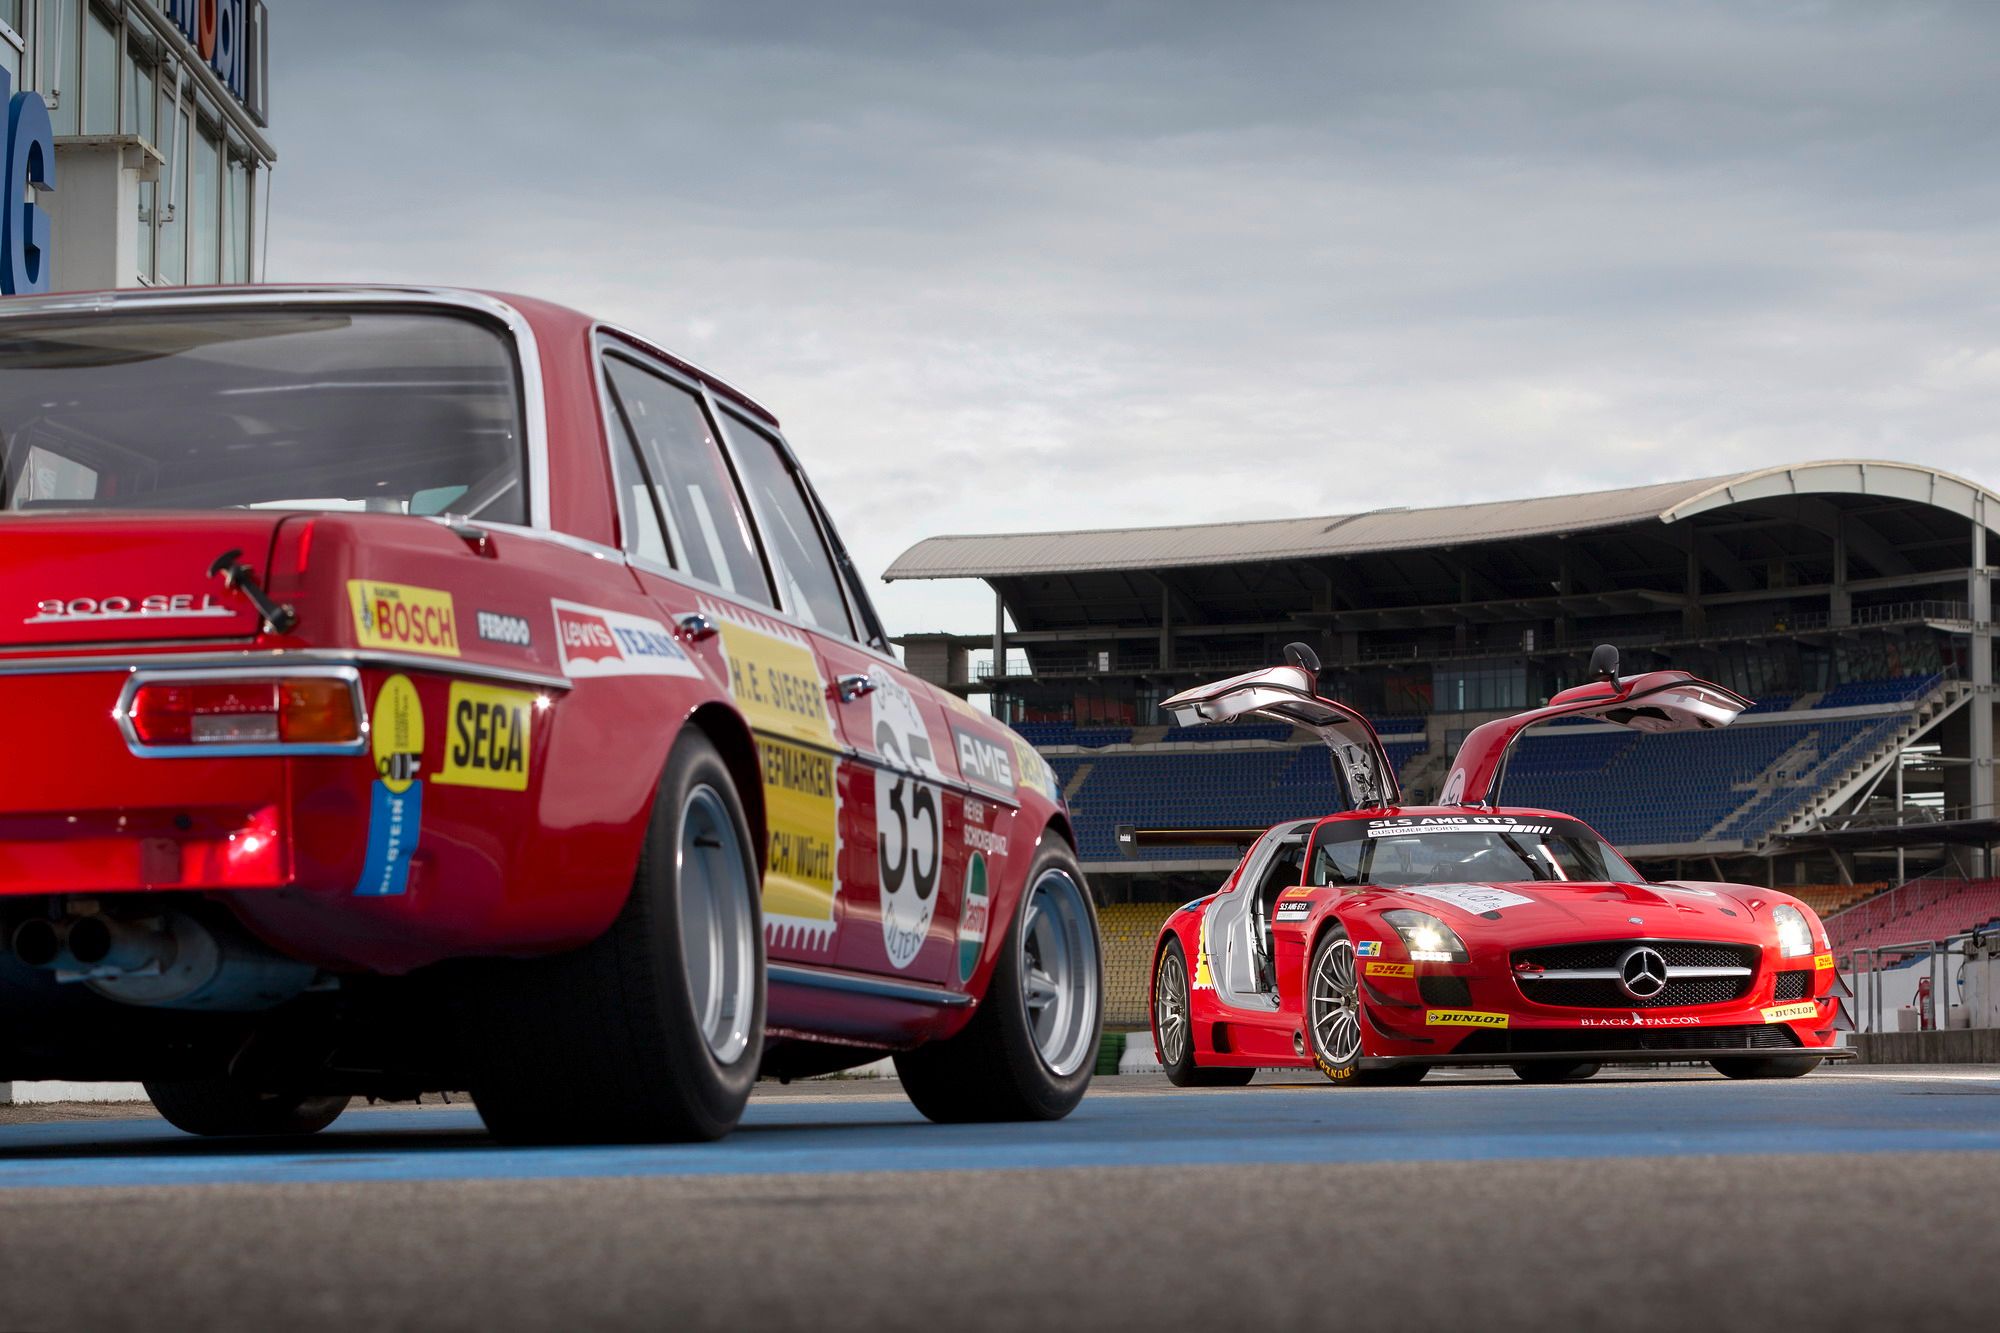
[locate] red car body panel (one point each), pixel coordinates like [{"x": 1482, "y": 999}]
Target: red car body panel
[{"x": 282, "y": 841}]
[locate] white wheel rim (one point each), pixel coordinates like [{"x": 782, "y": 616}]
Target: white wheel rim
[
  {"x": 718, "y": 930},
  {"x": 1335, "y": 1007},
  {"x": 1059, "y": 972},
  {"x": 1170, "y": 1009}
]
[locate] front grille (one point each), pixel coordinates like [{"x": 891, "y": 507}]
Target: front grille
[
  {"x": 1444, "y": 992},
  {"x": 1529, "y": 1041},
  {"x": 1611, "y": 995},
  {"x": 1606, "y": 953},
  {"x": 1794, "y": 985}
]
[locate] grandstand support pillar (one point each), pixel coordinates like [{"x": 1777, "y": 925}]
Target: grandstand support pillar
[
  {"x": 1694, "y": 616},
  {"x": 999, "y": 638},
  {"x": 1982, "y": 671},
  {"x": 1166, "y": 626},
  {"x": 1840, "y": 602}
]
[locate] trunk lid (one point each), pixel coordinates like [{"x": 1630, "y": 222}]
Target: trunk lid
[{"x": 78, "y": 580}]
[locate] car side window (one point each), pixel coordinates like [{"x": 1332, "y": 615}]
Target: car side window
[
  {"x": 799, "y": 558},
  {"x": 686, "y": 478},
  {"x": 638, "y": 512}
]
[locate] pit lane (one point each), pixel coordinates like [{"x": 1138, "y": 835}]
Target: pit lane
[{"x": 1643, "y": 1199}]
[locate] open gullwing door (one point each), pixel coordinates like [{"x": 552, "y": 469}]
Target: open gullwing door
[{"x": 1287, "y": 694}]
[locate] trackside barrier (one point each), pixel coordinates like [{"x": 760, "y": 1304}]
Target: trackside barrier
[{"x": 1963, "y": 971}]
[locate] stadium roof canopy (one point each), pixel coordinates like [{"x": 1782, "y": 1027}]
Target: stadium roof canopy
[{"x": 1380, "y": 531}]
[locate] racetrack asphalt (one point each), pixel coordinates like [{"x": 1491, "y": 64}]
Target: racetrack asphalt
[{"x": 1857, "y": 1198}]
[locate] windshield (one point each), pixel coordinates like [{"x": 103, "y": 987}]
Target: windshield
[
  {"x": 261, "y": 407},
  {"x": 1470, "y": 849}
]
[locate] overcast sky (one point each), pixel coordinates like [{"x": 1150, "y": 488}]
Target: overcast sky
[{"x": 1009, "y": 267}]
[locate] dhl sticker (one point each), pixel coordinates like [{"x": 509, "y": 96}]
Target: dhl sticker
[
  {"x": 1787, "y": 1013},
  {"x": 409, "y": 619},
  {"x": 1821, "y": 962},
  {"x": 1379, "y": 969},
  {"x": 488, "y": 740},
  {"x": 1463, "y": 1018}
]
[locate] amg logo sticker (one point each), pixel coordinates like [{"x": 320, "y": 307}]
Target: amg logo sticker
[
  {"x": 985, "y": 762},
  {"x": 513, "y": 631}
]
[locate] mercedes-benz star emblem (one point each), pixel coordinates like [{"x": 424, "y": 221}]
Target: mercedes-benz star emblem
[{"x": 1643, "y": 972}]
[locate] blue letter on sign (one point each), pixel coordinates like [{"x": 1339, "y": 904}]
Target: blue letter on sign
[{"x": 27, "y": 245}]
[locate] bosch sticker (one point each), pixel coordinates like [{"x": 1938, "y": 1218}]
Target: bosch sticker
[
  {"x": 396, "y": 801},
  {"x": 489, "y": 740},
  {"x": 405, "y": 618}
]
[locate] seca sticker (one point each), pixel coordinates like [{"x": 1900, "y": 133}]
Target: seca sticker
[
  {"x": 488, "y": 742},
  {"x": 592, "y": 642},
  {"x": 1471, "y": 897}
]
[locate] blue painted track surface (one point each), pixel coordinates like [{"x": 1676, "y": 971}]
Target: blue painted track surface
[{"x": 1823, "y": 1114}]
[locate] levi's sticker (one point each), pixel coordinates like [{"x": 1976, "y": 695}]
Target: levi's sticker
[
  {"x": 396, "y": 615},
  {"x": 1787, "y": 1013},
  {"x": 1368, "y": 948},
  {"x": 1821, "y": 962},
  {"x": 591, "y": 641},
  {"x": 1379, "y": 969},
  {"x": 1463, "y": 1018},
  {"x": 487, "y": 738},
  {"x": 1471, "y": 897}
]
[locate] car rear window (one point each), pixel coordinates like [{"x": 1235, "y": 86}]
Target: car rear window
[{"x": 411, "y": 412}]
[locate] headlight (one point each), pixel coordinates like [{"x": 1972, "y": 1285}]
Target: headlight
[
  {"x": 1428, "y": 939},
  {"x": 1794, "y": 935}
]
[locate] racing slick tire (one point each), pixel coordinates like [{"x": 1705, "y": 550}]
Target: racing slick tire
[
  {"x": 1174, "y": 1030},
  {"x": 226, "y": 1108},
  {"x": 1333, "y": 1007},
  {"x": 1031, "y": 1047},
  {"x": 1556, "y": 1071},
  {"x": 1750, "y": 1067},
  {"x": 653, "y": 1031}
]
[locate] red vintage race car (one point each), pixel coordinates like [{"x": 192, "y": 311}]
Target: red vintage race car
[
  {"x": 413, "y": 689},
  {"x": 1388, "y": 940}
]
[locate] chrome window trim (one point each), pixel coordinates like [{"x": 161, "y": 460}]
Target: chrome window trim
[
  {"x": 528, "y": 354},
  {"x": 299, "y": 661},
  {"x": 262, "y": 749}
]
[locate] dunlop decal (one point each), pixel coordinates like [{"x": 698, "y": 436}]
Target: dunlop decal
[
  {"x": 1463, "y": 1018},
  {"x": 1788, "y": 1013},
  {"x": 488, "y": 739},
  {"x": 407, "y": 619}
]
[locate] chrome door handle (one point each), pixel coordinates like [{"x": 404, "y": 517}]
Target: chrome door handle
[
  {"x": 853, "y": 687},
  {"x": 695, "y": 627}
]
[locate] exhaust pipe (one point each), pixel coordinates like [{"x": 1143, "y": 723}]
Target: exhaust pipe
[
  {"x": 39, "y": 942},
  {"x": 121, "y": 947}
]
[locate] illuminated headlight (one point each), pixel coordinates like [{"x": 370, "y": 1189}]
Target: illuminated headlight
[
  {"x": 1794, "y": 935},
  {"x": 1428, "y": 939}
]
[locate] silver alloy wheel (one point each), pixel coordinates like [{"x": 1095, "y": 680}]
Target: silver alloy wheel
[
  {"x": 1059, "y": 972},
  {"x": 718, "y": 926},
  {"x": 1336, "y": 1004},
  {"x": 1170, "y": 1008}
]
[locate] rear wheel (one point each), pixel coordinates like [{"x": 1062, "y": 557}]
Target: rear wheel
[
  {"x": 1736, "y": 1066},
  {"x": 221, "y": 1107},
  {"x": 1173, "y": 1027},
  {"x": 653, "y": 1031},
  {"x": 1556, "y": 1071},
  {"x": 1333, "y": 1007},
  {"x": 1029, "y": 1051}
]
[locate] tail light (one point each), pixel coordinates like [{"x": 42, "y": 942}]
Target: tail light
[{"x": 314, "y": 710}]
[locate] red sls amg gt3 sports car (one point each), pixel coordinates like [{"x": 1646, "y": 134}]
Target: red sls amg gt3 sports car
[{"x": 1389, "y": 939}]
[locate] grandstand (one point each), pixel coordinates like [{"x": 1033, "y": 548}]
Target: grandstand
[{"x": 1850, "y": 600}]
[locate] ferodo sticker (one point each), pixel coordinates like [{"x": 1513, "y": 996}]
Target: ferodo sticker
[
  {"x": 489, "y": 740},
  {"x": 1379, "y": 969},
  {"x": 802, "y": 809},
  {"x": 973, "y": 913},
  {"x": 591, "y": 641},
  {"x": 1463, "y": 1018},
  {"x": 1821, "y": 962},
  {"x": 909, "y": 819},
  {"x": 396, "y": 800},
  {"x": 405, "y": 618},
  {"x": 1786, "y": 1013},
  {"x": 773, "y": 675}
]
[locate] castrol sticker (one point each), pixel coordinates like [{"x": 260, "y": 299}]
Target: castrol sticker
[
  {"x": 591, "y": 642},
  {"x": 404, "y": 618}
]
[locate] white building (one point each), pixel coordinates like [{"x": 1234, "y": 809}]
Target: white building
[{"x": 157, "y": 110}]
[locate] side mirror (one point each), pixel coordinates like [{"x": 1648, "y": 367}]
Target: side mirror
[
  {"x": 1304, "y": 658},
  {"x": 1604, "y": 663}
]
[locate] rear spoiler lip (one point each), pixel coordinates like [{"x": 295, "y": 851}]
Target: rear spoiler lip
[{"x": 1131, "y": 837}]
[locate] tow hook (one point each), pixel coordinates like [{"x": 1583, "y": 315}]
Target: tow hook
[{"x": 239, "y": 577}]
